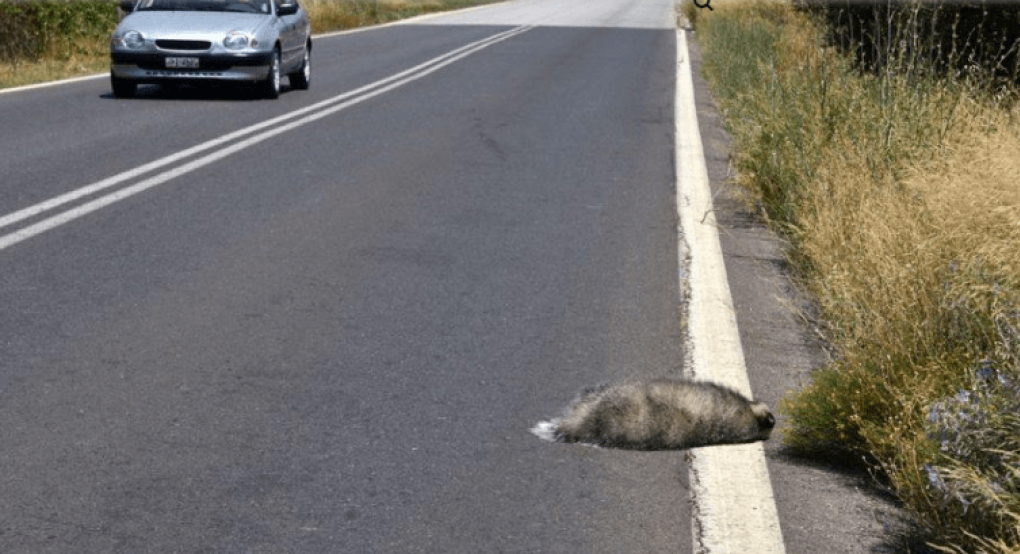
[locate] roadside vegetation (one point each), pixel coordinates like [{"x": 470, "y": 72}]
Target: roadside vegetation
[
  {"x": 893, "y": 168},
  {"x": 45, "y": 40},
  {"x": 333, "y": 15},
  {"x": 42, "y": 41}
]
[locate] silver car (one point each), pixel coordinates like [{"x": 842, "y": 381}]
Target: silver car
[{"x": 241, "y": 41}]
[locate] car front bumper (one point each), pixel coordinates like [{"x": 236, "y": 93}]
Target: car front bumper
[{"x": 148, "y": 67}]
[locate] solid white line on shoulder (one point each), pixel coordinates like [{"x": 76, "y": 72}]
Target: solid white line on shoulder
[{"x": 733, "y": 506}]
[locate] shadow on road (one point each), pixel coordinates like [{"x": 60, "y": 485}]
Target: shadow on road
[{"x": 198, "y": 92}]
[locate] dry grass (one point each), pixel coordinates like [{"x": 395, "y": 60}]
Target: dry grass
[
  {"x": 27, "y": 73},
  {"x": 899, "y": 192},
  {"x": 973, "y": 192}
]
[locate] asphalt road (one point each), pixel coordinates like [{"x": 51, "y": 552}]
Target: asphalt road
[{"x": 336, "y": 337}]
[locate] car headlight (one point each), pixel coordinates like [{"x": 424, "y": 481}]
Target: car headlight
[
  {"x": 131, "y": 39},
  {"x": 237, "y": 40}
]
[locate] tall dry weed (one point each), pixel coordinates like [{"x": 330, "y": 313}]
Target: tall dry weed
[
  {"x": 900, "y": 192},
  {"x": 974, "y": 191}
]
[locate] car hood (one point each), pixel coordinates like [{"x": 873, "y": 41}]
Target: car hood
[{"x": 211, "y": 25}]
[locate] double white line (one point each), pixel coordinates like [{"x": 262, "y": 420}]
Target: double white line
[{"x": 254, "y": 135}]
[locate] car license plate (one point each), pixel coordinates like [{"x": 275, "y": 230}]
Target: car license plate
[{"x": 182, "y": 63}]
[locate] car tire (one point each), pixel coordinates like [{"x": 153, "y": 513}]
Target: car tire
[
  {"x": 122, "y": 88},
  {"x": 302, "y": 78},
  {"x": 271, "y": 85}
]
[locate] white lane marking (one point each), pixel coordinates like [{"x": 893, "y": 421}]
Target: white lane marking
[
  {"x": 341, "y": 102},
  {"x": 48, "y": 84},
  {"x": 734, "y": 508},
  {"x": 57, "y": 201}
]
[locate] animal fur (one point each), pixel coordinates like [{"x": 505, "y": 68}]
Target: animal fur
[{"x": 663, "y": 414}]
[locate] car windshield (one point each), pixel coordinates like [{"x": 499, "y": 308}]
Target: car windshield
[{"x": 244, "y": 6}]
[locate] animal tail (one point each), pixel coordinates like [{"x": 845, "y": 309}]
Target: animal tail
[{"x": 546, "y": 430}]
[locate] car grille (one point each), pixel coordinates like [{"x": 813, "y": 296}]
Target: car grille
[{"x": 184, "y": 44}]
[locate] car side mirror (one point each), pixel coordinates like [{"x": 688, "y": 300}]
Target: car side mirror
[
  {"x": 127, "y": 5},
  {"x": 287, "y": 9}
]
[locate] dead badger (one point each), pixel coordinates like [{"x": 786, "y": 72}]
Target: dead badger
[{"x": 663, "y": 414}]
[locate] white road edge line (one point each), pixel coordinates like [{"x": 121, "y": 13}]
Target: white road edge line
[
  {"x": 394, "y": 81},
  {"x": 734, "y": 509}
]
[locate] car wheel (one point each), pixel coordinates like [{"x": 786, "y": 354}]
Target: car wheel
[
  {"x": 271, "y": 86},
  {"x": 122, "y": 88},
  {"x": 302, "y": 78}
]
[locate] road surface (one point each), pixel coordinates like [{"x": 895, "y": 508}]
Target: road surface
[
  {"x": 334, "y": 337},
  {"x": 326, "y": 323}
]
